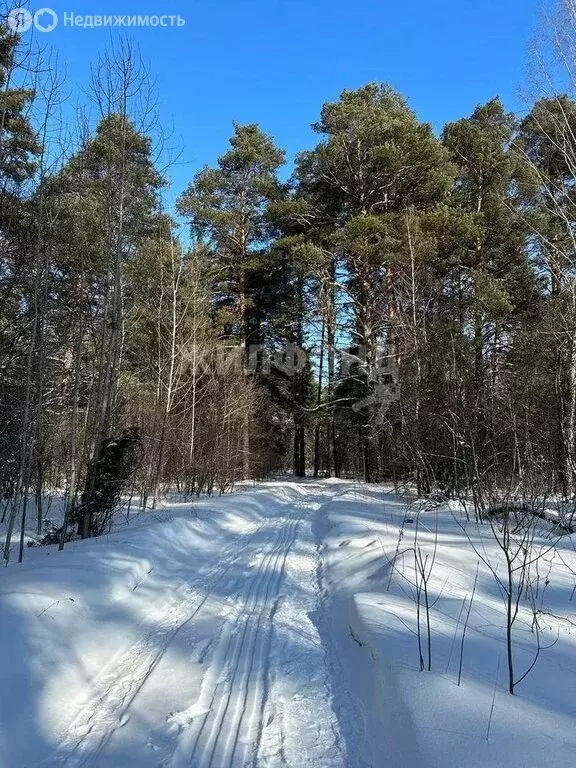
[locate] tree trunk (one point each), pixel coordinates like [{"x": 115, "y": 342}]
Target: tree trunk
[{"x": 317, "y": 429}]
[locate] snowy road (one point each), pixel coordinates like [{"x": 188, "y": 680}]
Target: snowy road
[
  {"x": 277, "y": 627},
  {"x": 252, "y": 686},
  {"x": 225, "y": 721}
]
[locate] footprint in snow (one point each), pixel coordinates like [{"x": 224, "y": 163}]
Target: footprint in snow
[
  {"x": 180, "y": 720},
  {"x": 154, "y": 747}
]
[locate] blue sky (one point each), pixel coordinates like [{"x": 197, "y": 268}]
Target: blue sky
[{"x": 276, "y": 61}]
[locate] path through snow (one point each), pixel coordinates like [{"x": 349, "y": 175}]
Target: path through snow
[
  {"x": 276, "y": 627},
  {"x": 228, "y": 668}
]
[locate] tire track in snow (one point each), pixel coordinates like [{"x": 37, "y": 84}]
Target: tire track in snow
[
  {"x": 221, "y": 729},
  {"x": 120, "y": 681},
  {"x": 300, "y": 728}
]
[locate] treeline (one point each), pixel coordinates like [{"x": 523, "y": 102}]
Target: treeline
[{"x": 417, "y": 294}]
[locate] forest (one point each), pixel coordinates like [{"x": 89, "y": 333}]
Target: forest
[{"x": 393, "y": 304}]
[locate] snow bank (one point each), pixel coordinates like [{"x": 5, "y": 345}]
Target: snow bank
[
  {"x": 108, "y": 651},
  {"x": 400, "y": 716},
  {"x": 69, "y": 620}
]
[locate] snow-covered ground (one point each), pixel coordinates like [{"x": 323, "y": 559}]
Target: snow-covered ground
[{"x": 277, "y": 627}]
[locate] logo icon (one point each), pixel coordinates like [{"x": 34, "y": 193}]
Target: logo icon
[
  {"x": 45, "y": 20},
  {"x": 19, "y": 20}
]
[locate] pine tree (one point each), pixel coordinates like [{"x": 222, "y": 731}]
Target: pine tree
[
  {"x": 547, "y": 147},
  {"x": 227, "y": 208},
  {"x": 19, "y": 145},
  {"x": 19, "y": 283},
  {"x": 491, "y": 281},
  {"x": 105, "y": 202},
  {"x": 374, "y": 163}
]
